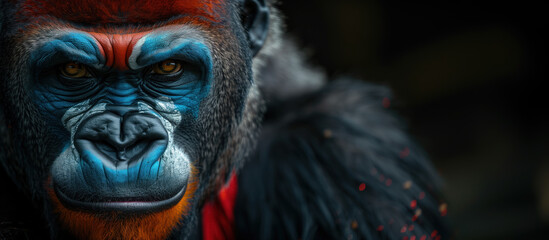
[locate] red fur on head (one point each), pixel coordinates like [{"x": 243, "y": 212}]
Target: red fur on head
[{"x": 121, "y": 11}]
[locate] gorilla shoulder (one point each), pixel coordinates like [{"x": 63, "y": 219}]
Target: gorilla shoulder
[{"x": 333, "y": 162}]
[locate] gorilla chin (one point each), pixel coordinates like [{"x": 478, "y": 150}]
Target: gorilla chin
[
  {"x": 122, "y": 159},
  {"x": 131, "y": 205},
  {"x": 124, "y": 224}
]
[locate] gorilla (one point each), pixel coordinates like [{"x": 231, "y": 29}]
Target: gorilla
[{"x": 194, "y": 119}]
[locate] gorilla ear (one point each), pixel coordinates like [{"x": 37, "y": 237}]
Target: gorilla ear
[{"x": 255, "y": 19}]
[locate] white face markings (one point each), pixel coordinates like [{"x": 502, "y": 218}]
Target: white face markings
[
  {"x": 170, "y": 117},
  {"x": 74, "y": 116}
]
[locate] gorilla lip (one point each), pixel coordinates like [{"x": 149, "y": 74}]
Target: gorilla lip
[{"x": 122, "y": 205}]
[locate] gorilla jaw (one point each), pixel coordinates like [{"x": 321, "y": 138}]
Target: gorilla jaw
[{"x": 154, "y": 226}]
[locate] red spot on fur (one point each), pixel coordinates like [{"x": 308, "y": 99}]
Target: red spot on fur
[
  {"x": 405, "y": 152},
  {"x": 153, "y": 226},
  {"x": 388, "y": 182},
  {"x": 380, "y": 228},
  {"x": 362, "y": 187},
  {"x": 413, "y": 204},
  {"x": 423, "y": 237},
  {"x": 218, "y": 214},
  {"x": 117, "y": 48},
  {"x": 403, "y": 229},
  {"x": 386, "y": 102},
  {"x": 411, "y": 228},
  {"x": 122, "y": 11},
  {"x": 434, "y": 233},
  {"x": 413, "y": 238}
]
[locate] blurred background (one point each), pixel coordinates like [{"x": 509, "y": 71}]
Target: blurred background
[{"x": 467, "y": 78}]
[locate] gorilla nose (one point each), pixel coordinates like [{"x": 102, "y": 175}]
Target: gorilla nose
[{"x": 121, "y": 136}]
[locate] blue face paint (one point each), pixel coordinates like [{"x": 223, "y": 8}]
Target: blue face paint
[
  {"x": 53, "y": 93},
  {"x": 92, "y": 169},
  {"x": 56, "y": 94},
  {"x": 122, "y": 93},
  {"x": 147, "y": 169},
  {"x": 77, "y": 47},
  {"x": 193, "y": 85}
]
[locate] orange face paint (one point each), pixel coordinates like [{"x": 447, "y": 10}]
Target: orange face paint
[
  {"x": 153, "y": 226},
  {"x": 117, "y": 48}
]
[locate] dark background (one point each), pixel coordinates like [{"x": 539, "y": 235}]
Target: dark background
[{"x": 468, "y": 77}]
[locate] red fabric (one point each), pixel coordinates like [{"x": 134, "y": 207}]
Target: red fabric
[{"x": 218, "y": 214}]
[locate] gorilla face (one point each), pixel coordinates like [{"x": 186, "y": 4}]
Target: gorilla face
[{"x": 121, "y": 152}]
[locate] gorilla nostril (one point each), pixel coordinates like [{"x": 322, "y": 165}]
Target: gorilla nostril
[
  {"x": 121, "y": 141},
  {"x": 123, "y": 153},
  {"x": 136, "y": 149},
  {"x": 106, "y": 148}
]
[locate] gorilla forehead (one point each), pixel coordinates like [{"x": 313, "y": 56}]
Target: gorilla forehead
[{"x": 119, "y": 50}]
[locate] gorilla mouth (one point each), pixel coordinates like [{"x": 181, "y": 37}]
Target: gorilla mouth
[{"x": 130, "y": 205}]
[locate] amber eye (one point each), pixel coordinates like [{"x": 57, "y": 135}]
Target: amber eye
[
  {"x": 167, "y": 67},
  {"x": 74, "y": 70}
]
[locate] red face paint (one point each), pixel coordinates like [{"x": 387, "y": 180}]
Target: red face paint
[
  {"x": 122, "y": 11},
  {"x": 117, "y": 48}
]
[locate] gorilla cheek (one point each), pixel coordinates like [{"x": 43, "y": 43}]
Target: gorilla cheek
[{"x": 121, "y": 158}]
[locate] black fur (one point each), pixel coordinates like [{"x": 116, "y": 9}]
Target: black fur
[{"x": 302, "y": 182}]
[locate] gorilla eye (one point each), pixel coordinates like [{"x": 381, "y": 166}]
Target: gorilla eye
[
  {"x": 166, "y": 67},
  {"x": 74, "y": 70}
]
